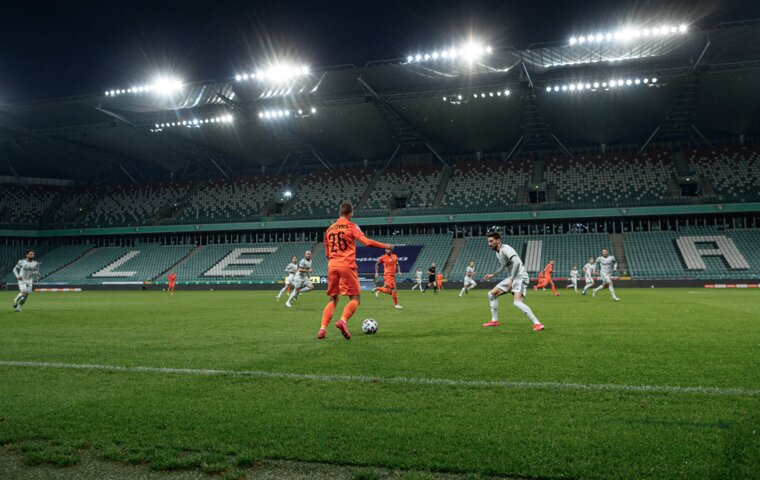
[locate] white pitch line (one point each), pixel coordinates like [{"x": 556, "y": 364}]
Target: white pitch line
[{"x": 609, "y": 387}]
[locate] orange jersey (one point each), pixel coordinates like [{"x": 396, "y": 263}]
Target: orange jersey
[
  {"x": 172, "y": 278},
  {"x": 340, "y": 243},
  {"x": 389, "y": 264},
  {"x": 548, "y": 270}
]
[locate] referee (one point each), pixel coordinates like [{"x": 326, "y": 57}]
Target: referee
[{"x": 431, "y": 279}]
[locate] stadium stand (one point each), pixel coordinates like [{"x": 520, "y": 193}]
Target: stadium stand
[
  {"x": 24, "y": 205},
  {"x": 610, "y": 180},
  {"x": 320, "y": 194},
  {"x": 135, "y": 205},
  {"x": 656, "y": 255},
  {"x": 485, "y": 187},
  {"x": 203, "y": 265},
  {"x": 566, "y": 250},
  {"x": 734, "y": 173},
  {"x": 143, "y": 262},
  {"x": 418, "y": 185},
  {"x": 233, "y": 199}
]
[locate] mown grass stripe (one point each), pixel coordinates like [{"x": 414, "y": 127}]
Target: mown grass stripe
[{"x": 610, "y": 387}]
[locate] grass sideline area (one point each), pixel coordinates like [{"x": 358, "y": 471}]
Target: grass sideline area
[{"x": 432, "y": 391}]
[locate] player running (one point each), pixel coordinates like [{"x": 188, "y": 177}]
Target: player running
[
  {"x": 302, "y": 283},
  {"x": 516, "y": 282},
  {"x": 439, "y": 281},
  {"x": 390, "y": 268},
  {"x": 342, "y": 272},
  {"x": 25, "y": 272},
  {"x": 588, "y": 273},
  {"x": 540, "y": 283},
  {"x": 418, "y": 280},
  {"x": 172, "y": 278},
  {"x": 607, "y": 265},
  {"x": 573, "y": 278},
  {"x": 431, "y": 279},
  {"x": 469, "y": 279},
  {"x": 548, "y": 277},
  {"x": 290, "y": 279}
]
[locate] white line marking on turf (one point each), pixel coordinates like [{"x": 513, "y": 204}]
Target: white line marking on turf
[{"x": 610, "y": 387}]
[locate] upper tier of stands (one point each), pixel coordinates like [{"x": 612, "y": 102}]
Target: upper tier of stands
[
  {"x": 610, "y": 180},
  {"x": 733, "y": 172},
  {"x": 320, "y": 194},
  {"x": 486, "y": 187},
  {"x": 587, "y": 181}
]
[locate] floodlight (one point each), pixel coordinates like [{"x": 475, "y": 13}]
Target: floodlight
[
  {"x": 489, "y": 50},
  {"x": 409, "y": 59},
  {"x": 313, "y": 110},
  {"x": 588, "y": 86},
  {"x": 459, "y": 97},
  {"x": 167, "y": 85},
  {"x": 288, "y": 194},
  {"x": 654, "y": 80},
  {"x": 435, "y": 55},
  {"x": 637, "y": 81},
  {"x": 238, "y": 77},
  {"x": 682, "y": 28},
  {"x": 628, "y": 82},
  {"x": 482, "y": 95},
  {"x": 556, "y": 88},
  {"x": 596, "y": 84},
  {"x": 157, "y": 126},
  {"x": 581, "y": 40},
  {"x": 572, "y": 87},
  {"x": 548, "y": 89},
  {"x": 573, "y": 40},
  {"x": 445, "y": 54},
  {"x": 427, "y": 56},
  {"x": 564, "y": 88},
  {"x": 418, "y": 57},
  {"x": 444, "y": 99},
  {"x": 490, "y": 94},
  {"x": 300, "y": 112},
  {"x": 599, "y": 37},
  {"x": 646, "y": 80}
]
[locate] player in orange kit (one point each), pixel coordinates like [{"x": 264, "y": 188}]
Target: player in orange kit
[
  {"x": 342, "y": 272},
  {"x": 390, "y": 268},
  {"x": 439, "y": 281},
  {"x": 540, "y": 283},
  {"x": 548, "y": 277},
  {"x": 172, "y": 282}
]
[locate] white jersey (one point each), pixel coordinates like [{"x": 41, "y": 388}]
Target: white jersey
[
  {"x": 607, "y": 265},
  {"x": 419, "y": 277},
  {"x": 588, "y": 270},
  {"x": 292, "y": 269},
  {"x": 306, "y": 265},
  {"x": 574, "y": 274},
  {"x": 26, "y": 270},
  {"x": 508, "y": 259},
  {"x": 470, "y": 272}
]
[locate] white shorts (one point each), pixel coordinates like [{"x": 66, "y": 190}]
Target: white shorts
[
  {"x": 300, "y": 283},
  {"x": 605, "y": 279},
  {"x": 574, "y": 280},
  {"x": 25, "y": 286},
  {"x": 290, "y": 279},
  {"x": 469, "y": 282},
  {"x": 519, "y": 285}
]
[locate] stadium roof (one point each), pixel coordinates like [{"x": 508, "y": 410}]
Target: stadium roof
[{"x": 504, "y": 101}]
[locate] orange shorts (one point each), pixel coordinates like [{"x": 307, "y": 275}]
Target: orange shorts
[
  {"x": 171, "y": 284},
  {"x": 390, "y": 281},
  {"x": 342, "y": 281}
]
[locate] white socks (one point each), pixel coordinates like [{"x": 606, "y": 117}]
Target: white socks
[
  {"x": 494, "y": 303},
  {"x": 293, "y": 295},
  {"x": 282, "y": 291},
  {"x": 527, "y": 311},
  {"x": 612, "y": 291},
  {"x": 18, "y": 298},
  {"x": 306, "y": 289}
]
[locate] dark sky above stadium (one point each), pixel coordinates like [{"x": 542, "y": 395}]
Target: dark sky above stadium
[{"x": 62, "y": 48}]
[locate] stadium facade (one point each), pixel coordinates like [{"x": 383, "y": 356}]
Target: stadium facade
[{"x": 647, "y": 147}]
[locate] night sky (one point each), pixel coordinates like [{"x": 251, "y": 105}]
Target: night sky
[{"x": 55, "y": 49}]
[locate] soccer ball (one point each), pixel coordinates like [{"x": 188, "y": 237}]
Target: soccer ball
[{"x": 369, "y": 326}]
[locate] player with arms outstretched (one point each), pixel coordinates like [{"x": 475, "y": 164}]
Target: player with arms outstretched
[
  {"x": 469, "y": 279},
  {"x": 25, "y": 271},
  {"x": 588, "y": 274},
  {"x": 342, "y": 272},
  {"x": 291, "y": 269},
  {"x": 302, "y": 282},
  {"x": 391, "y": 266},
  {"x": 172, "y": 279},
  {"x": 607, "y": 265},
  {"x": 516, "y": 282}
]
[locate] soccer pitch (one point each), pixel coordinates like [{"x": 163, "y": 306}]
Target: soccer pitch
[{"x": 663, "y": 384}]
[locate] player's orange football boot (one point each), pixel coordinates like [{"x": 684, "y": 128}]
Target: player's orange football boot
[
  {"x": 321, "y": 334},
  {"x": 538, "y": 327},
  {"x": 341, "y": 325},
  {"x": 492, "y": 323}
]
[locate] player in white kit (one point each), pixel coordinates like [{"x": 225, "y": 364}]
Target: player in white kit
[
  {"x": 302, "y": 283},
  {"x": 418, "y": 280},
  {"x": 607, "y": 265},
  {"x": 469, "y": 279},
  {"x": 588, "y": 274},
  {"x": 291, "y": 271},
  {"x": 25, "y": 271},
  {"x": 574, "y": 278},
  {"x": 516, "y": 282}
]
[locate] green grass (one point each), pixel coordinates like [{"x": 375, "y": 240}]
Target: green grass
[{"x": 660, "y": 337}]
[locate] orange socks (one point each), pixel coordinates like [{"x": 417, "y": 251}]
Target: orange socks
[
  {"x": 349, "y": 310},
  {"x": 395, "y": 297},
  {"x": 327, "y": 314}
]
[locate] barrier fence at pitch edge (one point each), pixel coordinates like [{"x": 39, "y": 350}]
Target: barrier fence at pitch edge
[
  {"x": 57, "y": 289},
  {"x": 732, "y": 285}
]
